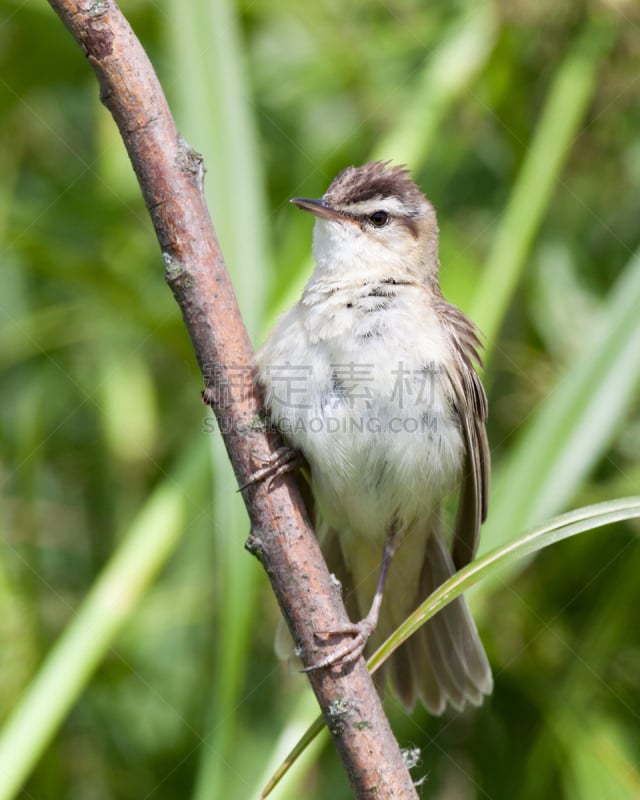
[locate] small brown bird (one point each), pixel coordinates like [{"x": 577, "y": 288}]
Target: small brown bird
[{"x": 370, "y": 376}]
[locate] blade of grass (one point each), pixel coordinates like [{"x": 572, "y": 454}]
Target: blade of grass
[
  {"x": 576, "y": 422},
  {"x": 563, "y": 706},
  {"x": 556, "y": 530},
  {"x": 146, "y": 547},
  {"x": 297, "y": 719},
  {"x": 564, "y": 110},
  {"x": 448, "y": 72},
  {"x": 600, "y": 761}
]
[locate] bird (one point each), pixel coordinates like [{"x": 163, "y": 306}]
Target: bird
[{"x": 372, "y": 380}]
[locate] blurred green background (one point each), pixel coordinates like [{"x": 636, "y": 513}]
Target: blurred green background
[{"x": 124, "y": 585}]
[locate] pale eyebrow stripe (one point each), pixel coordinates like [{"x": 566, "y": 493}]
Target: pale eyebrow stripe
[{"x": 390, "y": 204}]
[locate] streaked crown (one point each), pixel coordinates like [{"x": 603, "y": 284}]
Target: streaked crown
[{"x": 374, "y": 182}]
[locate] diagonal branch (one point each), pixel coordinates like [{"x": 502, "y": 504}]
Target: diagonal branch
[{"x": 171, "y": 175}]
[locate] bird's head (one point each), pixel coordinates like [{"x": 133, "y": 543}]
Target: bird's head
[{"x": 374, "y": 222}]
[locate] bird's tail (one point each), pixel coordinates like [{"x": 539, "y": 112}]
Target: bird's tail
[{"x": 444, "y": 662}]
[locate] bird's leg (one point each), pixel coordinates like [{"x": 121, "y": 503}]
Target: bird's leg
[
  {"x": 359, "y": 631},
  {"x": 284, "y": 459}
]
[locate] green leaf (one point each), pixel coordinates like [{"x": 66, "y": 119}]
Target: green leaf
[
  {"x": 556, "y": 530},
  {"x": 575, "y": 423},
  {"x": 146, "y": 547},
  {"x": 566, "y": 104}
]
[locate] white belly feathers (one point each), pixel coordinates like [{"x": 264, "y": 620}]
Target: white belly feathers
[{"x": 369, "y": 409}]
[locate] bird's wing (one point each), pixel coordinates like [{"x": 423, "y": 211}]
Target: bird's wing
[{"x": 471, "y": 406}]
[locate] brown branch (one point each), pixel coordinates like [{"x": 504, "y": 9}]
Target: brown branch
[{"x": 171, "y": 174}]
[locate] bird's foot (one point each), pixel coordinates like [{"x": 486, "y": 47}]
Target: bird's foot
[
  {"x": 360, "y": 632},
  {"x": 283, "y": 460},
  {"x": 350, "y": 650}
]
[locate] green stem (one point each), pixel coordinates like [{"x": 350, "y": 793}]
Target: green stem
[
  {"x": 62, "y": 677},
  {"x": 565, "y": 108}
]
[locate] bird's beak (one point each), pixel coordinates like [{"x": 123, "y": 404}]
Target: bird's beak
[{"x": 319, "y": 208}]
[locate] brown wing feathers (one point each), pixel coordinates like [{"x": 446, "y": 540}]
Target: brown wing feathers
[{"x": 471, "y": 406}]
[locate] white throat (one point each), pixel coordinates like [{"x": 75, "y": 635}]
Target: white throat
[{"x": 345, "y": 253}]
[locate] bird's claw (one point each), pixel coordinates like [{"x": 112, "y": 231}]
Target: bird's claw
[
  {"x": 348, "y": 652},
  {"x": 283, "y": 460}
]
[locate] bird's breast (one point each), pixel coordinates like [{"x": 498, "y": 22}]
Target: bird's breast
[{"x": 365, "y": 397}]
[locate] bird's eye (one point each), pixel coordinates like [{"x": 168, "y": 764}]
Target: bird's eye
[{"x": 379, "y": 219}]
